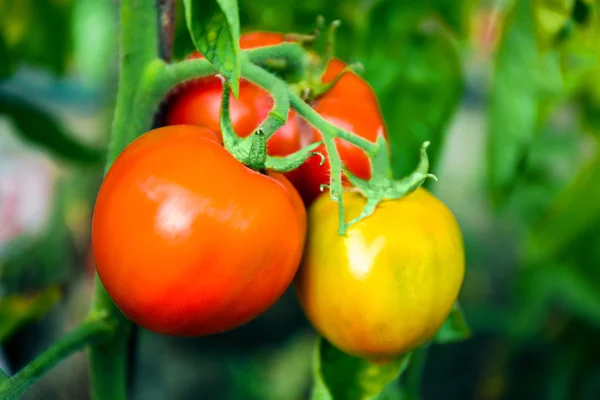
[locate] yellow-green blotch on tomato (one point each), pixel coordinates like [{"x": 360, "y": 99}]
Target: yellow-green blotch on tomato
[{"x": 387, "y": 286}]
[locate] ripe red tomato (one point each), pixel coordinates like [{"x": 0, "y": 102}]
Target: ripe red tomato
[
  {"x": 352, "y": 105},
  {"x": 199, "y": 103},
  {"x": 187, "y": 240}
]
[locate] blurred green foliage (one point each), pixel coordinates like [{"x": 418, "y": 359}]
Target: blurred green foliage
[{"x": 532, "y": 290}]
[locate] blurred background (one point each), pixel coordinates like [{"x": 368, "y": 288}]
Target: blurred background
[{"x": 508, "y": 92}]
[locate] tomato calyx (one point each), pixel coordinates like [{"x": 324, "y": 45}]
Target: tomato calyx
[
  {"x": 313, "y": 86},
  {"x": 382, "y": 186},
  {"x": 252, "y": 150}
]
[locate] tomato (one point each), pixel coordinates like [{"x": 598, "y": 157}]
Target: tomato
[
  {"x": 198, "y": 102},
  {"x": 389, "y": 284},
  {"x": 187, "y": 240},
  {"x": 351, "y": 105}
]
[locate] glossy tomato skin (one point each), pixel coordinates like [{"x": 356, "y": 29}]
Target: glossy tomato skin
[
  {"x": 389, "y": 284},
  {"x": 188, "y": 241},
  {"x": 352, "y": 105},
  {"x": 198, "y": 102}
]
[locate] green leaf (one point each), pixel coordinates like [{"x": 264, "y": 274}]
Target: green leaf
[
  {"x": 551, "y": 17},
  {"x": 546, "y": 284},
  {"x": 524, "y": 80},
  {"x": 573, "y": 214},
  {"x": 338, "y": 375},
  {"x": 215, "y": 30},
  {"x": 456, "y": 13},
  {"x": 17, "y": 310},
  {"x": 38, "y": 127},
  {"x": 38, "y": 32},
  {"x": 455, "y": 327},
  {"x": 6, "y": 66},
  {"x": 557, "y": 20},
  {"x": 419, "y": 95},
  {"x": 34, "y": 261}
]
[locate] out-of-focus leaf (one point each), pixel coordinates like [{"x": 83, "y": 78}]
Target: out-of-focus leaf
[
  {"x": 95, "y": 39},
  {"x": 341, "y": 376},
  {"x": 215, "y": 30},
  {"x": 522, "y": 78},
  {"x": 6, "y": 67},
  {"x": 37, "y": 32},
  {"x": 557, "y": 20},
  {"x": 182, "y": 42},
  {"x": 32, "y": 262},
  {"x": 455, "y": 13},
  {"x": 455, "y": 327},
  {"x": 549, "y": 284},
  {"x": 420, "y": 94},
  {"x": 39, "y": 128},
  {"x": 551, "y": 17},
  {"x": 281, "y": 374},
  {"x": 575, "y": 212},
  {"x": 17, "y": 310}
]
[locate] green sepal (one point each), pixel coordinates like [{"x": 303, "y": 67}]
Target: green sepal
[
  {"x": 455, "y": 327},
  {"x": 381, "y": 186},
  {"x": 294, "y": 160},
  {"x": 338, "y": 375},
  {"x": 257, "y": 155},
  {"x": 252, "y": 151}
]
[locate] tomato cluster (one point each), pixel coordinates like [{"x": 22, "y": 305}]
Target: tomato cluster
[
  {"x": 350, "y": 104},
  {"x": 188, "y": 241}
]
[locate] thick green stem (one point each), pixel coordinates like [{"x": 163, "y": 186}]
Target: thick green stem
[
  {"x": 278, "y": 90},
  {"x": 290, "y": 58},
  {"x": 138, "y": 44},
  {"x": 94, "y": 330}
]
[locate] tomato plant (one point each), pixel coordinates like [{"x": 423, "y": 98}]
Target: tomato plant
[
  {"x": 186, "y": 252},
  {"x": 200, "y": 225},
  {"x": 385, "y": 287}
]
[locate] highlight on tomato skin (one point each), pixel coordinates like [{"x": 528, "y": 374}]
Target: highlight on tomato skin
[
  {"x": 187, "y": 240},
  {"x": 384, "y": 288}
]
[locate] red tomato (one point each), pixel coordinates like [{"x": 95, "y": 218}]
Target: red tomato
[
  {"x": 199, "y": 103},
  {"x": 187, "y": 240},
  {"x": 352, "y": 105}
]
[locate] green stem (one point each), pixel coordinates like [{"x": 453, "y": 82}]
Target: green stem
[
  {"x": 278, "y": 90},
  {"x": 326, "y": 128},
  {"x": 138, "y": 43},
  {"x": 290, "y": 58},
  {"x": 94, "y": 330}
]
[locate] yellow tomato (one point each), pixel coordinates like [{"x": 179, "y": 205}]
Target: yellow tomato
[{"x": 389, "y": 284}]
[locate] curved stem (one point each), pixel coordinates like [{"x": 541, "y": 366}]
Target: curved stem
[
  {"x": 278, "y": 90},
  {"x": 94, "y": 330},
  {"x": 326, "y": 128},
  {"x": 288, "y": 57}
]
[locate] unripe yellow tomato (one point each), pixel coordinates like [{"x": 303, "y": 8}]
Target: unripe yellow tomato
[{"x": 387, "y": 286}]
